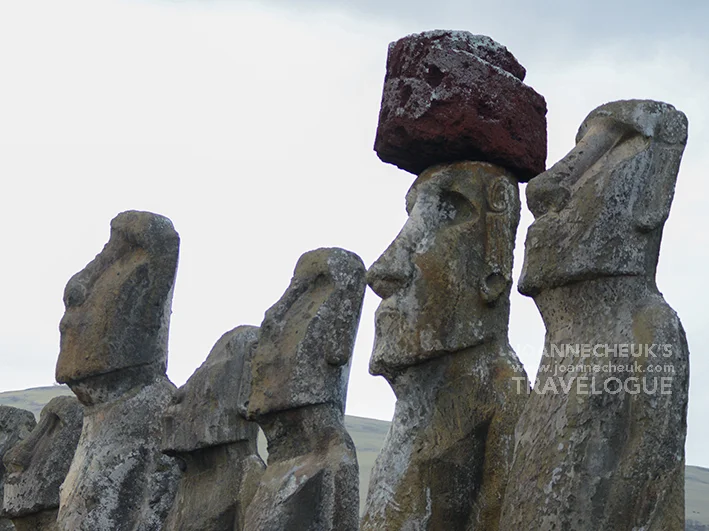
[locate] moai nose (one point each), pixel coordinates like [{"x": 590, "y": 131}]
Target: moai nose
[
  {"x": 550, "y": 191},
  {"x": 545, "y": 193},
  {"x": 392, "y": 271}
]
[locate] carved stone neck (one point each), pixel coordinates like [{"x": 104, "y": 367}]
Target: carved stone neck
[
  {"x": 206, "y": 459},
  {"x": 300, "y": 431},
  {"x": 104, "y": 388}
]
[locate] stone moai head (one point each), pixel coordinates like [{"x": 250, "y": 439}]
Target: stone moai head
[
  {"x": 36, "y": 466},
  {"x": 204, "y": 411},
  {"x": 15, "y": 425},
  {"x": 601, "y": 209},
  {"x": 445, "y": 280},
  {"x": 118, "y": 307},
  {"x": 306, "y": 339}
]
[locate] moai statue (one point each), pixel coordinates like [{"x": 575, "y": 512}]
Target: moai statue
[
  {"x": 600, "y": 444},
  {"x": 113, "y": 356},
  {"x": 441, "y": 337},
  {"x": 214, "y": 444},
  {"x": 36, "y": 466},
  {"x": 299, "y": 374},
  {"x": 15, "y": 425}
]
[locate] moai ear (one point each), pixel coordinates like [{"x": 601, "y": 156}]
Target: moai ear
[
  {"x": 501, "y": 225},
  {"x": 656, "y": 186}
]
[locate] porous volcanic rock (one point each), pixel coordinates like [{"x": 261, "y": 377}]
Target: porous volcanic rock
[{"x": 452, "y": 96}]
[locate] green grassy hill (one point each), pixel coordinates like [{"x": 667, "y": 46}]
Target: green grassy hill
[
  {"x": 33, "y": 399},
  {"x": 368, "y": 435}
]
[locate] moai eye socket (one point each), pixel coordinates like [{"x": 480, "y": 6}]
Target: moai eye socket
[{"x": 455, "y": 208}]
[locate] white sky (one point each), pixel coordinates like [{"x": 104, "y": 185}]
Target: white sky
[{"x": 251, "y": 126}]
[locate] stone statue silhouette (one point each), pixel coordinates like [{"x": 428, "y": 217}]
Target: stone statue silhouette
[
  {"x": 441, "y": 342},
  {"x": 600, "y": 444}
]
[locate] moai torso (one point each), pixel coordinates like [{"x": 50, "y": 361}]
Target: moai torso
[
  {"x": 601, "y": 440},
  {"x": 296, "y": 393},
  {"x": 113, "y": 356},
  {"x": 441, "y": 328},
  {"x": 15, "y": 425},
  {"x": 37, "y": 466},
  {"x": 215, "y": 446}
]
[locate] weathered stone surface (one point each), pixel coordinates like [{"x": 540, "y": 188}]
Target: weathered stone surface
[
  {"x": 103, "y": 316},
  {"x": 41, "y": 521},
  {"x": 119, "y": 479},
  {"x": 453, "y": 96},
  {"x": 204, "y": 411},
  {"x": 113, "y": 356},
  {"x": 299, "y": 374},
  {"x": 306, "y": 339},
  {"x": 15, "y": 425},
  {"x": 600, "y": 444},
  {"x": 217, "y": 485},
  {"x": 36, "y": 466},
  {"x": 441, "y": 342},
  {"x": 214, "y": 444}
]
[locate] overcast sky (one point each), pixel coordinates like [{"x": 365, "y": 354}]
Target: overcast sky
[{"x": 251, "y": 126}]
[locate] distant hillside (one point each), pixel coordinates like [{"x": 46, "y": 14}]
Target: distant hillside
[
  {"x": 368, "y": 436},
  {"x": 696, "y": 481},
  {"x": 33, "y": 399}
]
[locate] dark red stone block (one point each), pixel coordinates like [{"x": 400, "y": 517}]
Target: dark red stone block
[{"x": 451, "y": 96}]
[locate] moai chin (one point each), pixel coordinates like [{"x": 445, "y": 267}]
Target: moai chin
[
  {"x": 441, "y": 342},
  {"x": 215, "y": 445},
  {"x": 601, "y": 439},
  {"x": 15, "y": 425},
  {"x": 36, "y": 466},
  {"x": 113, "y": 356},
  {"x": 299, "y": 374}
]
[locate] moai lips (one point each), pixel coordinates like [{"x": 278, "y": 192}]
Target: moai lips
[
  {"x": 602, "y": 447},
  {"x": 299, "y": 374},
  {"x": 452, "y": 96},
  {"x": 214, "y": 443},
  {"x": 38, "y": 465}
]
